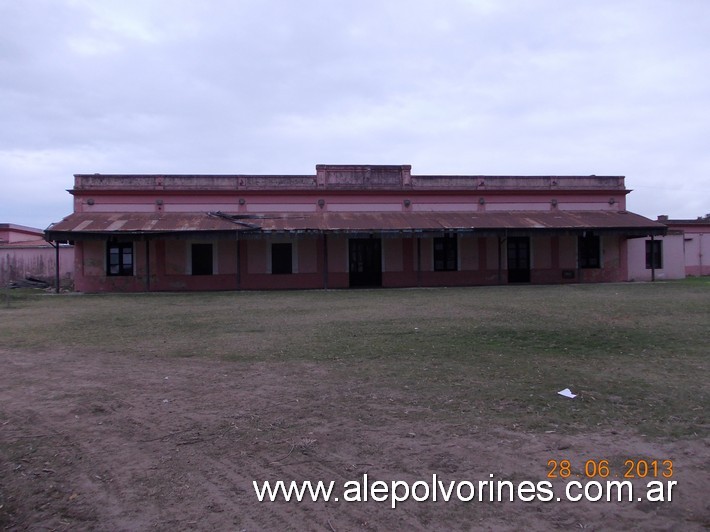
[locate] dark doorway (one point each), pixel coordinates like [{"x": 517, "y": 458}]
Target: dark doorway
[
  {"x": 518, "y": 259},
  {"x": 281, "y": 258},
  {"x": 365, "y": 262},
  {"x": 202, "y": 259}
]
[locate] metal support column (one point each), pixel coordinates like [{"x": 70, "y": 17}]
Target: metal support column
[
  {"x": 325, "y": 261},
  {"x": 56, "y": 266},
  {"x": 653, "y": 259},
  {"x": 147, "y": 265},
  {"x": 419, "y": 261},
  {"x": 500, "y": 259},
  {"x": 239, "y": 260}
]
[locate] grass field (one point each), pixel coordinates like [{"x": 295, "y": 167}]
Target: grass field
[{"x": 637, "y": 354}]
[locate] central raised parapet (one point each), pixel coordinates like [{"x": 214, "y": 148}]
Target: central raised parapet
[{"x": 361, "y": 176}]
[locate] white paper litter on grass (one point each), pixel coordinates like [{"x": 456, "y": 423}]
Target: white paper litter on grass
[{"x": 567, "y": 393}]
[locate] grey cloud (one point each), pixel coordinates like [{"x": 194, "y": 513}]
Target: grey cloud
[{"x": 274, "y": 86}]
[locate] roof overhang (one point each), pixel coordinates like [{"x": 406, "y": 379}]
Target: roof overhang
[{"x": 88, "y": 226}]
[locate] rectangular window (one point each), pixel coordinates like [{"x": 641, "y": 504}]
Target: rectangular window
[
  {"x": 119, "y": 258},
  {"x": 202, "y": 259},
  {"x": 588, "y": 251},
  {"x": 654, "y": 254},
  {"x": 281, "y": 258},
  {"x": 445, "y": 254}
]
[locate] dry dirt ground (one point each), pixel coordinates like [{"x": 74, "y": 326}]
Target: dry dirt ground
[{"x": 95, "y": 441}]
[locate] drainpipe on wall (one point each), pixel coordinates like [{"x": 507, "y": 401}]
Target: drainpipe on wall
[{"x": 55, "y": 245}]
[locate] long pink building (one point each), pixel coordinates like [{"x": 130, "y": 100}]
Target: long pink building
[{"x": 347, "y": 226}]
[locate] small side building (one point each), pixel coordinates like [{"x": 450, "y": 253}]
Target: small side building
[
  {"x": 684, "y": 251},
  {"x": 347, "y": 226},
  {"x": 25, "y": 253},
  {"x": 696, "y": 243}
]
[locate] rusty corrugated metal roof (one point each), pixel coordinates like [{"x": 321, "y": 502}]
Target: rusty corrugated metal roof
[
  {"x": 101, "y": 224},
  {"x": 138, "y": 222},
  {"x": 459, "y": 221}
]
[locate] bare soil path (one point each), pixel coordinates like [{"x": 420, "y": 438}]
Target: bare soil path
[{"x": 100, "y": 441}]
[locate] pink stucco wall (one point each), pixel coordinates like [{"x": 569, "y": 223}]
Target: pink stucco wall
[
  {"x": 335, "y": 201},
  {"x": 176, "y": 257},
  {"x": 24, "y": 253},
  {"x": 696, "y": 245},
  {"x": 338, "y": 254},
  {"x": 392, "y": 253},
  {"x": 37, "y": 261},
  {"x": 673, "y": 259},
  {"x": 541, "y": 253},
  {"x": 697, "y": 254},
  {"x": 468, "y": 253},
  {"x": 567, "y": 246},
  {"x": 307, "y": 256}
]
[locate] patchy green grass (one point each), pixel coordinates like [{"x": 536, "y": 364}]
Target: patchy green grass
[{"x": 636, "y": 353}]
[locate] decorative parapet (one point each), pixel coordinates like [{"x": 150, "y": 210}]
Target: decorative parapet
[
  {"x": 354, "y": 176},
  {"x": 343, "y": 177}
]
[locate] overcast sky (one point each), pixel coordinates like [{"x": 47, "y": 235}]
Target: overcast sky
[{"x": 492, "y": 87}]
